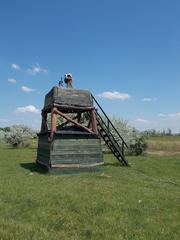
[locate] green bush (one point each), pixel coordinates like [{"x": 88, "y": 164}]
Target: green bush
[
  {"x": 135, "y": 140},
  {"x": 18, "y": 135},
  {"x": 138, "y": 147},
  {"x": 2, "y": 136}
]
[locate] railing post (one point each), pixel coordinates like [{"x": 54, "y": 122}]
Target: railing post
[{"x": 123, "y": 148}]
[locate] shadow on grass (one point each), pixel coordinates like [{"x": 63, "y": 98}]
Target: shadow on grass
[{"x": 34, "y": 167}]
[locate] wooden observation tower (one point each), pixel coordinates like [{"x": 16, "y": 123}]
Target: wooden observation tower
[{"x": 72, "y": 129}]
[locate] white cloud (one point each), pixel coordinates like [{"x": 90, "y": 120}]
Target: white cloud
[
  {"x": 162, "y": 115},
  {"x": 142, "y": 120},
  {"x": 170, "y": 115},
  {"x": 15, "y": 66},
  {"x": 12, "y": 80},
  {"x": 26, "y": 89},
  {"x": 27, "y": 109},
  {"x": 3, "y": 120},
  {"x": 147, "y": 99},
  {"x": 36, "y": 69},
  {"x": 114, "y": 95}
]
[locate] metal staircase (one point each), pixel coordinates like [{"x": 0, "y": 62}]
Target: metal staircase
[{"x": 110, "y": 135}]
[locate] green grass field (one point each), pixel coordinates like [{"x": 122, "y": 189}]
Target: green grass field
[{"x": 109, "y": 202}]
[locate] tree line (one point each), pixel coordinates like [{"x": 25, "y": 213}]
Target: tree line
[{"x": 156, "y": 133}]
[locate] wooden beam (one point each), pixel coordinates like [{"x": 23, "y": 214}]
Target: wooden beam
[
  {"x": 42, "y": 121},
  {"x": 71, "y": 120},
  {"x": 94, "y": 122},
  {"x": 66, "y": 107},
  {"x": 53, "y": 122},
  {"x": 44, "y": 127},
  {"x": 66, "y": 122}
]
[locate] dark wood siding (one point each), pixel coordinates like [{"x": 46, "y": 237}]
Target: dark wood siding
[
  {"x": 68, "y": 97},
  {"x": 43, "y": 151},
  {"x": 76, "y": 149}
]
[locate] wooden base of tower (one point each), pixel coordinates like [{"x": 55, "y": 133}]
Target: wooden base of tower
[{"x": 70, "y": 150}]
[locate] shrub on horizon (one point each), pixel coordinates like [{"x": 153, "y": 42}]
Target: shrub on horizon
[
  {"x": 2, "y": 136},
  {"x": 18, "y": 135},
  {"x": 135, "y": 140}
]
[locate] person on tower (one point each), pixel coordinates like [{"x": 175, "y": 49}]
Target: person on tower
[{"x": 68, "y": 80}]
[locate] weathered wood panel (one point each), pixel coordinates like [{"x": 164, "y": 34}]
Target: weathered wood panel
[
  {"x": 68, "y": 97},
  {"x": 43, "y": 151},
  {"x": 76, "y": 149},
  {"x": 69, "y": 149}
]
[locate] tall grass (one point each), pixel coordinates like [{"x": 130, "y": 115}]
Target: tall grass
[{"x": 168, "y": 144}]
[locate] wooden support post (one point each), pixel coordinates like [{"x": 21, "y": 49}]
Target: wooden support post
[
  {"x": 53, "y": 122},
  {"x": 44, "y": 121},
  {"x": 94, "y": 122}
]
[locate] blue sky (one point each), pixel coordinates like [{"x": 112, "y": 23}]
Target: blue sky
[{"x": 126, "y": 52}]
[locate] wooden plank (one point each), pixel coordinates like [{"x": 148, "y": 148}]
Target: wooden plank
[
  {"x": 75, "y": 153},
  {"x": 74, "y": 149},
  {"x": 77, "y": 135},
  {"x": 76, "y": 165},
  {"x": 75, "y": 160},
  {"x": 76, "y": 139},
  {"x": 76, "y": 142}
]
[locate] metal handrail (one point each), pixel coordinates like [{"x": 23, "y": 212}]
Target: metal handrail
[
  {"x": 112, "y": 137},
  {"x": 109, "y": 121}
]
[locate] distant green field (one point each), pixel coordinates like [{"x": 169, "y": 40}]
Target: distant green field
[
  {"x": 109, "y": 202},
  {"x": 165, "y": 145},
  {"x": 166, "y": 138}
]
